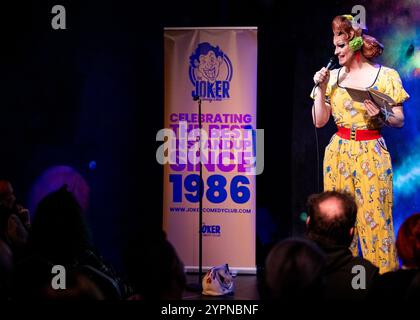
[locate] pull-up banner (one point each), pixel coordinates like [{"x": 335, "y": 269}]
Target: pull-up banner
[{"x": 216, "y": 67}]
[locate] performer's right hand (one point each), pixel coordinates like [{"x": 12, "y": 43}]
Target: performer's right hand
[{"x": 322, "y": 77}]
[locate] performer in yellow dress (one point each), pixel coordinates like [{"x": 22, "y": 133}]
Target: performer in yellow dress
[{"x": 356, "y": 159}]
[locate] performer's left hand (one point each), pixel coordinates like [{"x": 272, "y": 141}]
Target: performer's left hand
[{"x": 371, "y": 108}]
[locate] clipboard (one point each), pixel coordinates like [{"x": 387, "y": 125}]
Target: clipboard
[{"x": 381, "y": 100}]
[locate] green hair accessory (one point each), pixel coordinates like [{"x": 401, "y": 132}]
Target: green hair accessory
[{"x": 356, "y": 43}]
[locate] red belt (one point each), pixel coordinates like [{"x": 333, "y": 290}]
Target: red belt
[{"x": 358, "y": 135}]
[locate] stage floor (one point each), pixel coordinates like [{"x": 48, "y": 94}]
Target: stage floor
[{"x": 246, "y": 288}]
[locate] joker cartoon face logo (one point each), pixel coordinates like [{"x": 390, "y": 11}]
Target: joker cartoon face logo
[
  {"x": 210, "y": 72},
  {"x": 209, "y": 65}
]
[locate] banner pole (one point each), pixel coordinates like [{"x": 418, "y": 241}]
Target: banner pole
[
  {"x": 200, "y": 201},
  {"x": 199, "y": 287}
]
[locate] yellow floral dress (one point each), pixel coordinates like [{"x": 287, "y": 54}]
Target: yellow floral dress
[{"x": 364, "y": 169}]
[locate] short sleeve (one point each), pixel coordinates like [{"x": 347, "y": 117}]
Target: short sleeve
[
  {"x": 331, "y": 82},
  {"x": 394, "y": 87}
]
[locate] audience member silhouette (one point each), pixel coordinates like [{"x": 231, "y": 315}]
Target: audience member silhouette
[
  {"x": 403, "y": 283},
  {"x": 79, "y": 286},
  {"x": 154, "y": 268},
  {"x": 408, "y": 242},
  {"x": 59, "y": 236},
  {"x": 330, "y": 223},
  {"x": 8, "y": 200},
  {"x": 413, "y": 291},
  {"x": 12, "y": 230},
  {"x": 294, "y": 270},
  {"x": 14, "y": 221},
  {"x": 6, "y": 265}
]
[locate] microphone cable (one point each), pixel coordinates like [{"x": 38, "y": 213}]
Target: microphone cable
[
  {"x": 317, "y": 150},
  {"x": 331, "y": 64}
]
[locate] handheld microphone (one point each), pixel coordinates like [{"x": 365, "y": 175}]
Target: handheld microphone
[
  {"x": 196, "y": 97},
  {"x": 332, "y": 62},
  {"x": 330, "y": 65}
]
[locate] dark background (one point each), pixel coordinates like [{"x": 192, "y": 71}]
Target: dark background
[{"x": 95, "y": 92}]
